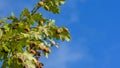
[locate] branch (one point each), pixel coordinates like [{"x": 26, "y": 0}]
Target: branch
[{"x": 35, "y": 10}]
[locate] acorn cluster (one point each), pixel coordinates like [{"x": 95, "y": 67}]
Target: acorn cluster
[
  {"x": 60, "y": 30},
  {"x": 39, "y": 65},
  {"x": 37, "y": 54},
  {"x": 45, "y": 49}
]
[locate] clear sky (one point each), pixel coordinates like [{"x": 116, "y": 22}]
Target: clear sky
[{"x": 95, "y": 32}]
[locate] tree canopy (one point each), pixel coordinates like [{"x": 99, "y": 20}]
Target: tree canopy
[{"x": 25, "y": 38}]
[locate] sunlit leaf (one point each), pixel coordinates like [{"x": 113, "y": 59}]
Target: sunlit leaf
[{"x": 1, "y": 33}]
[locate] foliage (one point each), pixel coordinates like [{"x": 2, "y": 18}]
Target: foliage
[{"x": 24, "y": 39}]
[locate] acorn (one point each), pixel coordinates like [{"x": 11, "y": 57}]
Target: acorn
[
  {"x": 41, "y": 64},
  {"x": 41, "y": 47},
  {"x": 58, "y": 31},
  {"x": 38, "y": 65},
  {"x": 18, "y": 39},
  {"x": 33, "y": 51},
  {"x": 41, "y": 3},
  {"x": 33, "y": 44},
  {"x": 13, "y": 28},
  {"x": 47, "y": 50},
  {"x": 18, "y": 24},
  {"x": 25, "y": 66},
  {"x": 20, "y": 59},
  {"x": 38, "y": 53},
  {"x": 27, "y": 29},
  {"x": 37, "y": 58}
]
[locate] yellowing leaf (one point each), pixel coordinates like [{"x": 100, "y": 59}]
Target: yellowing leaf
[{"x": 46, "y": 54}]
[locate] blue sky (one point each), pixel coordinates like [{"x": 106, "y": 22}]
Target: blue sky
[{"x": 95, "y": 32}]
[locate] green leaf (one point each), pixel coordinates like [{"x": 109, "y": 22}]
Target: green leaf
[
  {"x": 37, "y": 17},
  {"x": 3, "y": 20},
  {"x": 53, "y": 5},
  {"x": 1, "y": 33},
  {"x": 47, "y": 8},
  {"x": 67, "y": 38},
  {"x": 28, "y": 58},
  {"x": 25, "y": 35},
  {"x": 12, "y": 15},
  {"x": 46, "y": 54},
  {"x": 9, "y": 61},
  {"x": 24, "y": 13},
  {"x": 62, "y": 2}
]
